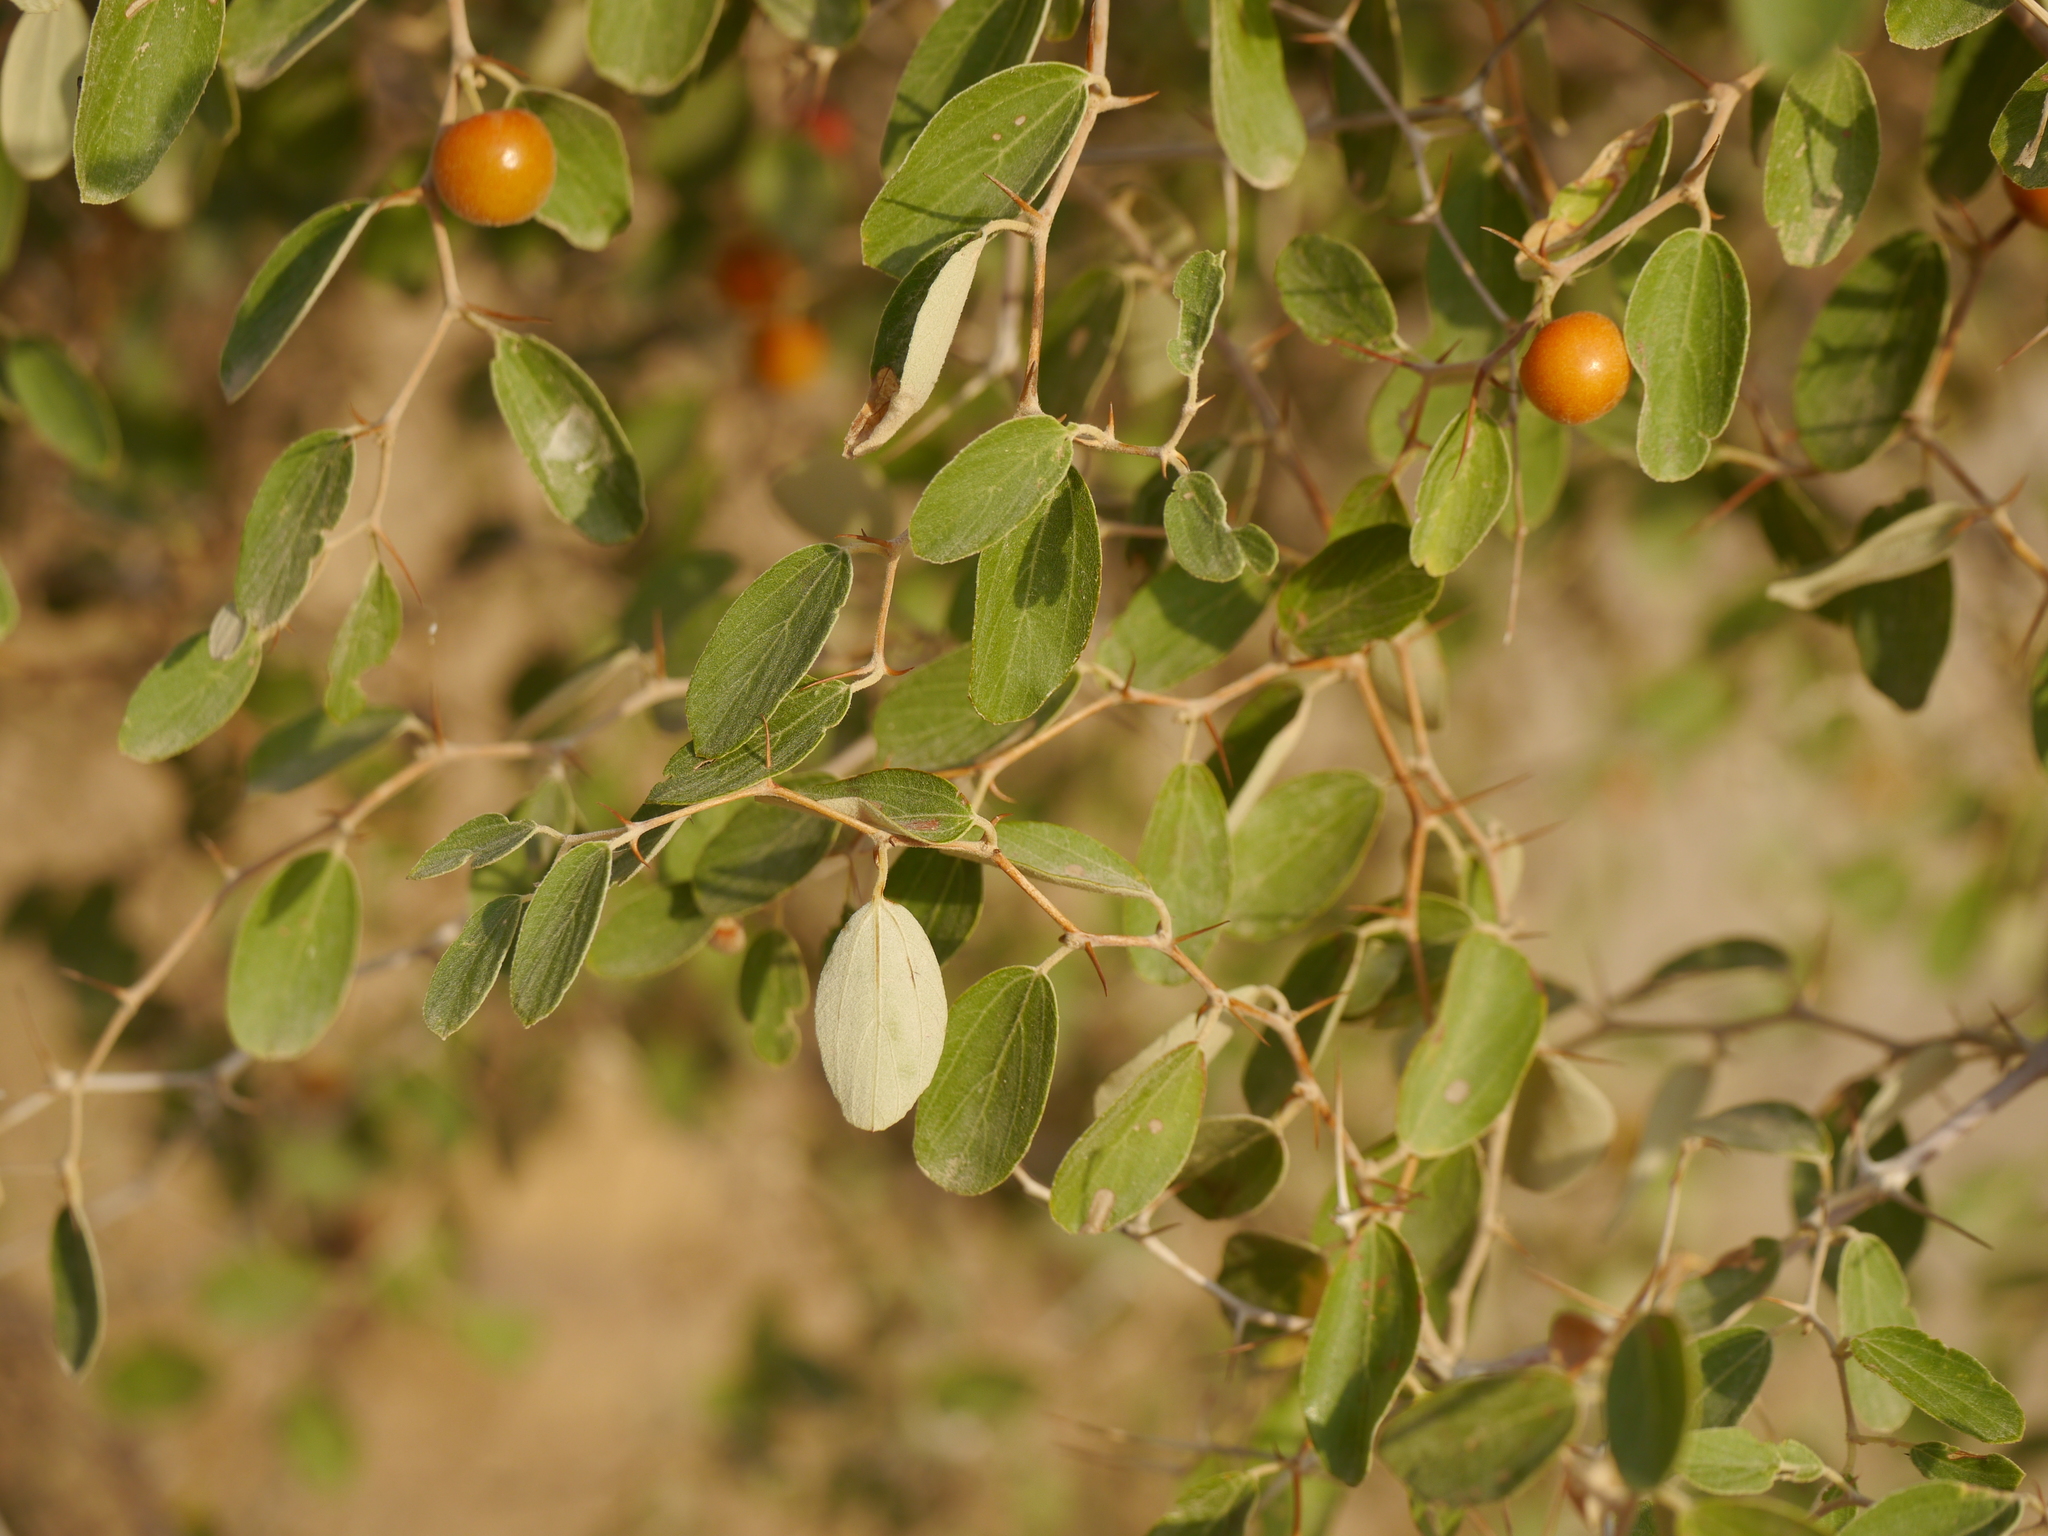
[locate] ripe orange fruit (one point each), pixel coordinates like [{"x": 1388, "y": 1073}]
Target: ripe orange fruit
[
  {"x": 788, "y": 352},
  {"x": 1576, "y": 370},
  {"x": 750, "y": 273},
  {"x": 495, "y": 168},
  {"x": 829, "y": 129},
  {"x": 2030, "y": 203}
]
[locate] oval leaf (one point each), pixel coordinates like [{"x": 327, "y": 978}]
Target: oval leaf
[
  {"x": 1769, "y": 1126},
  {"x": 1562, "y": 1127},
  {"x": 1946, "y": 1384},
  {"x": 920, "y": 805},
  {"x": 2016, "y": 137},
  {"x": 764, "y": 644},
  {"x": 774, "y": 989},
  {"x": 1237, "y": 1164},
  {"x": 1177, "y": 625},
  {"x": 570, "y": 439},
  {"x": 1062, "y": 855},
  {"x": 264, "y": 38},
  {"x": 1126, "y": 1159},
  {"x": 1937, "y": 1509},
  {"x": 969, "y": 41},
  {"x": 1299, "y": 849},
  {"x": 1035, "y": 594},
  {"x": 993, "y": 484},
  {"x": 790, "y": 735},
  {"x": 468, "y": 968},
  {"x": 1930, "y": 23},
  {"x": 39, "y": 88},
  {"x": 1257, "y": 122},
  {"x": 301, "y": 498},
  {"x": 1651, "y": 1385},
  {"x": 1185, "y": 857},
  {"x": 1361, "y": 1349},
  {"x": 285, "y": 287},
  {"x": 1713, "y": 1518},
  {"x": 186, "y": 697},
  {"x": 653, "y": 929},
  {"x": 1466, "y": 1069},
  {"x": 649, "y": 47},
  {"x": 63, "y": 403},
  {"x": 295, "y": 955},
  {"x": 880, "y": 1015},
  {"x": 928, "y": 721},
  {"x": 1477, "y": 1441},
  {"x": 1464, "y": 490},
  {"x": 1332, "y": 293},
  {"x": 1688, "y": 334},
  {"x": 943, "y": 893},
  {"x": 561, "y": 920},
  {"x": 145, "y": 70},
  {"x": 78, "y": 1291},
  {"x": 1198, "y": 529},
  {"x": 763, "y": 851},
  {"x": 1978, "y": 77},
  {"x": 976, "y": 1120},
  {"x": 592, "y": 199},
  {"x": 1823, "y": 160},
  {"x": 313, "y": 746},
  {"x": 1733, "y": 1365},
  {"x": 1869, "y": 349},
  {"x": 1198, "y": 288},
  {"x": 915, "y": 336},
  {"x": 1359, "y": 588},
  {"x": 365, "y": 639},
  {"x": 1871, "y": 1292}
]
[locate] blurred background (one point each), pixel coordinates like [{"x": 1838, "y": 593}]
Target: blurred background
[{"x": 615, "y": 1276}]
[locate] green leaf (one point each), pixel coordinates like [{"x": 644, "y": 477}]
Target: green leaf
[
  {"x": 1769, "y": 1126},
  {"x": 78, "y": 1291},
  {"x": 1463, "y": 492},
  {"x": 1688, "y": 334},
  {"x": 481, "y": 840},
  {"x": 286, "y": 287},
  {"x": 1127, "y": 1158},
  {"x": 1185, "y": 857},
  {"x": 791, "y": 734},
  {"x": 1466, "y": 1069},
  {"x": 1912, "y": 542},
  {"x": 880, "y": 1015},
  {"x": 1823, "y": 161},
  {"x": 1361, "y": 1349},
  {"x": 2016, "y": 136},
  {"x": 1978, "y": 77},
  {"x": 1714, "y": 1518},
  {"x": 763, "y": 851},
  {"x": 993, "y": 484},
  {"x": 774, "y": 989},
  {"x": 186, "y": 697},
  {"x": 1937, "y": 1509},
  {"x": 1208, "y": 1027},
  {"x": 569, "y": 437},
  {"x": 1475, "y": 201},
  {"x": 1733, "y": 1365},
  {"x": 832, "y": 24},
  {"x": 1049, "y": 851},
  {"x": 976, "y": 1120},
  {"x": 968, "y": 42},
  {"x": 313, "y": 746},
  {"x": 592, "y": 199},
  {"x": 1869, "y": 349},
  {"x": 1986, "y": 1469},
  {"x": 927, "y": 720},
  {"x": 1946, "y": 1384},
  {"x": 560, "y": 922},
  {"x": 1299, "y": 849},
  {"x": 1871, "y": 1292},
  {"x": 1791, "y": 34},
  {"x": 64, "y": 404},
  {"x": 1332, "y": 293},
  {"x": 649, "y": 47},
  {"x": 1651, "y": 1384},
  {"x": 1276, "y": 1273},
  {"x": 948, "y": 183},
  {"x": 1442, "y": 1223},
  {"x": 301, "y": 498},
  {"x": 943, "y": 893},
  {"x": 1357, "y": 589},
  {"x": 468, "y": 968},
  {"x": 920, "y": 805},
  {"x": 39, "y": 88},
  {"x": 1738, "y": 1277},
  {"x": 1737, "y": 954},
  {"x": 1728, "y": 1461},
  {"x": 145, "y": 70},
  {"x": 1198, "y": 286},
  {"x": 915, "y": 335},
  {"x": 1477, "y": 1441},
  {"x": 1562, "y": 1126},
  {"x": 1198, "y": 529},
  {"x": 1369, "y": 152},
  {"x": 365, "y": 639},
  {"x": 295, "y": 955},
  {"x": 1177, "y": 625},
  {"x": 1084, "y": 331},
  {"x": 653, "y": 929},
  {"x": 764, "y": 644},
  {"x": 1318, "y": 984},
  {"x": 1261, "y": 552},
  {"x": 264, "y": 38},
  {"x": 1258, "y": 724},
  {"x": 1035, "y": 591},
  {"x": 1237, "y": 1164},
  {"x": 1217, "y": 1505},
  {"x": 1257, "y": 121},
  {"x": 1615, "y": 186},
  {"x": 1930, "y": 23}
]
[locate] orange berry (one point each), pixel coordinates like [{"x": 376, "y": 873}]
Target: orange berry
[
  {"x": 751, "y": 273},
  {"x": 1576, "y": 370},
  {"x": 495, "y": 168},
  {"x": 788, "y": 352},
  {"x": 2030, "y": 203},
  {"x": 829, "y": 129}
]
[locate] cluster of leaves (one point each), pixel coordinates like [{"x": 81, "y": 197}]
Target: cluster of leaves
[{"x": 1645, "y": 1418}]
